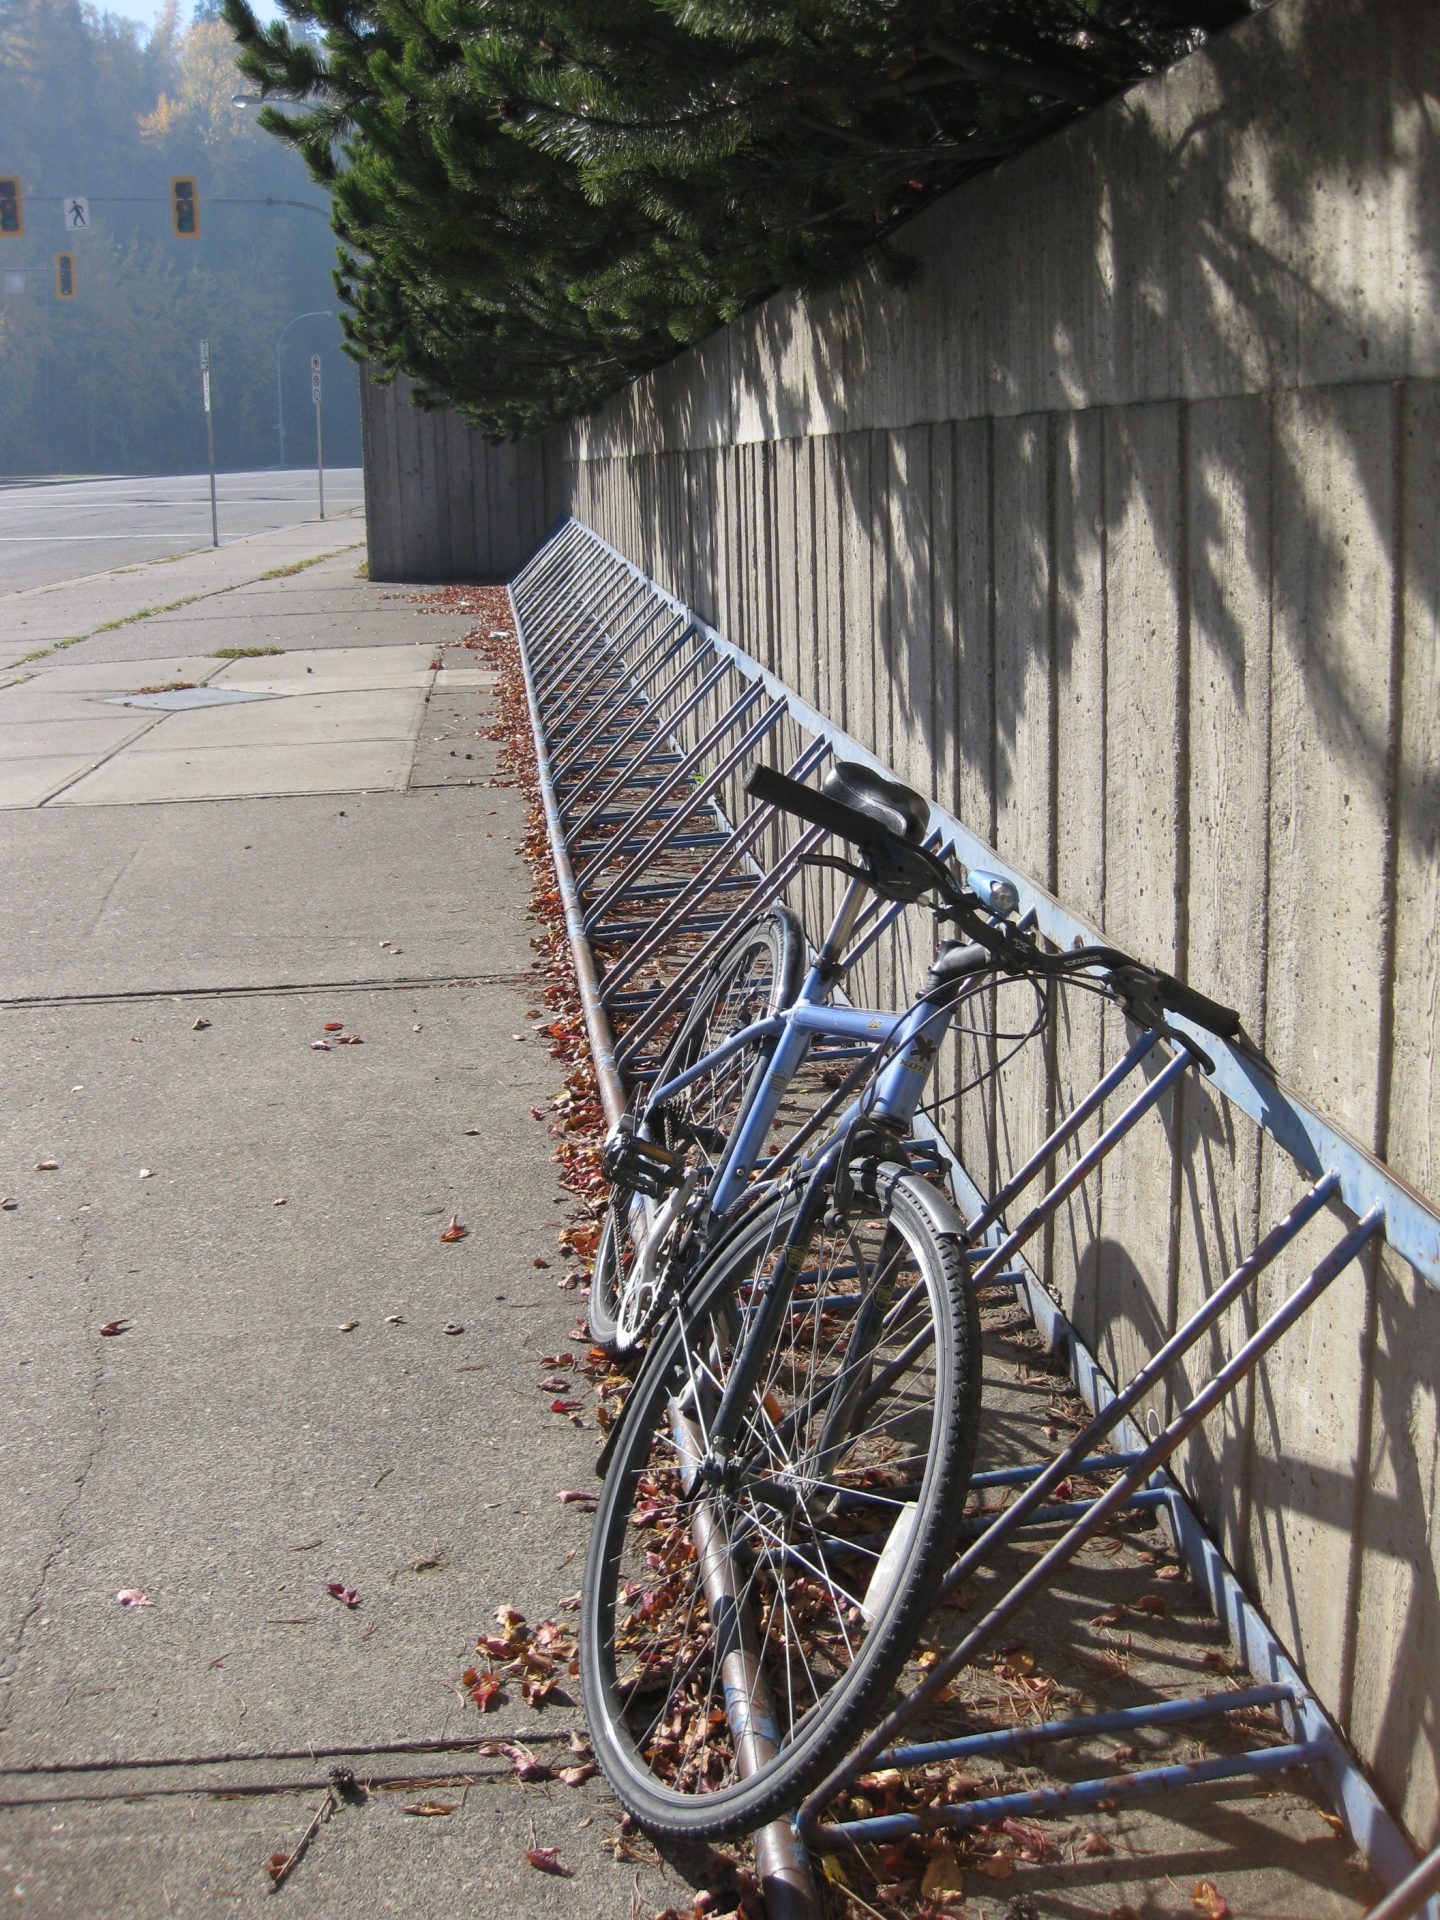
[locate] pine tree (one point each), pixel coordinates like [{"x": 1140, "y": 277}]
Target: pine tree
[{"x": 539, "y": 201}]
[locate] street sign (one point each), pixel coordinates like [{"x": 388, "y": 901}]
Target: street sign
[
  {"x": 76, "y": 209},
  {"x": 315, "y": 378}
]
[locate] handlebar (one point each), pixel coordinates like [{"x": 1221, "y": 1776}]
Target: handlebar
[{"x": 901, "y": 870}]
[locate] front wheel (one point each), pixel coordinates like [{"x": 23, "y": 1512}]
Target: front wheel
[
  {"x": 756, "y": 975},
  {"x": 747, "y": 1604}
]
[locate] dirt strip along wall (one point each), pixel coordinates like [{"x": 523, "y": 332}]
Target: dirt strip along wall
[{"x": 1117, "y": 532}]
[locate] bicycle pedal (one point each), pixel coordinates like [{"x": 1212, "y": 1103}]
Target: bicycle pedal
[{"x": 644, "y": 1166}]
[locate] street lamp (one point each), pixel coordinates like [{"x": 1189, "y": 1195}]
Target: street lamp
[{"x": 319, "y": 313}]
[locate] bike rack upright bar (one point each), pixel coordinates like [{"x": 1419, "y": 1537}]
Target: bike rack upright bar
[{"x": 643, "y": 762}]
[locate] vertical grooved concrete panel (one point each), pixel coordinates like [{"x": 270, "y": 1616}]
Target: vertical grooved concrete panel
[
  {"x": 1228, "y": 547},
  {"x": 1080, "y": 748},
  {"x": 1128, "y": 1272}
]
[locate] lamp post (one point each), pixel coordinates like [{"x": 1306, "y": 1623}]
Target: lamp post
[{"x": 318, "y": 313}]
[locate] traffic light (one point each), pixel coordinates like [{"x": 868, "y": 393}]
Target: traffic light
[
  {"x": 184, "y": 208},
  {"x": 64, "y": 276},
  {"x": 12, "y": 206}
]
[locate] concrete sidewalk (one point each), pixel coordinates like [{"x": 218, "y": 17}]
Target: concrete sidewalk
[{"x": 311, "y": 1390}]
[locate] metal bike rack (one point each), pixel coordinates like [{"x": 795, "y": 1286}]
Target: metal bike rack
[{"x": 642, "y": 716}]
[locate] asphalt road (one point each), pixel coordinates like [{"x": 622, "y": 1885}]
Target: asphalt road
[{"x": 67, "y": 529}]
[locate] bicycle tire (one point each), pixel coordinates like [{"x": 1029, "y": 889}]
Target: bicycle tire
[
  {"x": 756, "y": 974},
  {"x": 894, "y": 1479}
]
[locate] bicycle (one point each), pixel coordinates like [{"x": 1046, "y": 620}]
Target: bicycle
[{"x": 785, "y": 1487}]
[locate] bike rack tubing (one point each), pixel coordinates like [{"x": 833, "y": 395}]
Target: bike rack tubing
[
  {"x": 1180, "y": 1427},
  {"x": 579, "y": 607},
  {"x": 1407, "y": 1898}
]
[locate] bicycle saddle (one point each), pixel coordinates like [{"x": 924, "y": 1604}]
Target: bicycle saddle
[{"x": 884, "y": 801}]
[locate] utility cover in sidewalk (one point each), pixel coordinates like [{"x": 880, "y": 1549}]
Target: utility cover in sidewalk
[{"x": 187, "y": 697}]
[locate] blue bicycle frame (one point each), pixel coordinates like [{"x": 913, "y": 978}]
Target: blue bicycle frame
[{"x": 913, "y": 1037}]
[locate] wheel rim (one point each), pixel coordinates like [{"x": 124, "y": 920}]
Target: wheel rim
[{"x": 801, "y": 1521}]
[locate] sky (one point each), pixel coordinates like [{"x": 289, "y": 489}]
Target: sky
[{"x": 144, "y": 12}]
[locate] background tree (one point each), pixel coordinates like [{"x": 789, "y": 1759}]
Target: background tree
[
  {"x": 541, "y": 200},
  {"x": 109, "y": 381}
]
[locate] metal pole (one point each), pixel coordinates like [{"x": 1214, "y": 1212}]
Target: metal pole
[
  {"x": 209, "y": 438},
  {"x": 316, "y": 313},
  {"x": 319, "y": 453},
  {"x": 280, "y": 401}
]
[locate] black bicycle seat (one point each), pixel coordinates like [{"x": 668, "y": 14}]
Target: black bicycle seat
[{"x": 884, "y": 801}]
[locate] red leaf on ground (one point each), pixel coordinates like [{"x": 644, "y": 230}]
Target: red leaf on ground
[
  {"x": 564, "y": 1406},
  {"x": 112, "y": 1327},
  {"x": 334, "y": 1026},
  {"x": 485, "y": 1691},
  {"x": 1207, "y": 1898},
  {"x": 455, "y": 1231},
  {"x": 547, "y": 1859},
  {"x": 347, "y": 1596}
]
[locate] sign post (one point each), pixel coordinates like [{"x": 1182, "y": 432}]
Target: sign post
[
  {"x": 209, "y": 438},
  {"x": 319, "y": 453}
]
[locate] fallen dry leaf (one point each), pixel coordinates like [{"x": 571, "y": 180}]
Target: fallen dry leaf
[
  {"x": 8, "y": 1205},
  {"x": 320, "y": 1046},
  {"x": 347, "y": 1596},
  {"x": 348, "y": 1326},
  {"x": 47, "y": 1166},
  {"x": 133, "y": 1597},
  {"x": 431, "y": 1809},
  {"x": 112, "y": 1327},
  {"x": 547, "y": 1859},
  {"x": 334, "y": 1026},
  {"x": 455, "y": 1231},
  {"x": 452, "y": 1326},
  {"x": 145, "y": 1173},
  {"x": 1207, "y": 1898}
]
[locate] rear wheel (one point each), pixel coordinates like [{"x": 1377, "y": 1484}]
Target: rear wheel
[
  {"x": 757, "y": 974},
  {"x": 739, "y": 1623}
]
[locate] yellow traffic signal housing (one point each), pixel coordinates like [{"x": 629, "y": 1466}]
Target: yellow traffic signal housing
[
  {"x": 12, "y": 206},
  {"x": 64, "y": 276},
  {"x": 184, "y": 207}
]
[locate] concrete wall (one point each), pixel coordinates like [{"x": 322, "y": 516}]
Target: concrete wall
[
  {"x": 1117, "y": 531},
  {"x": 441, "y": 502}
]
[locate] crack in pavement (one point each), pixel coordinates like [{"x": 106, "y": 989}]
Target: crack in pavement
[
  {"x": 142, "y": 996},
  {"x": 65, "y": 1526}
]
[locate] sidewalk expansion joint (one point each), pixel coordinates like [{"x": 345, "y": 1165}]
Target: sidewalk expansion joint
[
  {"x": 144, "y": 996},
  {"x": 435, "y": 1762}
]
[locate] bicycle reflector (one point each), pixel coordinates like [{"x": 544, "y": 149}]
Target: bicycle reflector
[
  {"x": 184, "y": 208},
  {"x": 12, "y": 206}
]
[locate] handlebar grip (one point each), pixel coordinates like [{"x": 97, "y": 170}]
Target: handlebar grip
[
  {"x": 793, "y": 796},
  {"x": 1193, "y": 1006}
]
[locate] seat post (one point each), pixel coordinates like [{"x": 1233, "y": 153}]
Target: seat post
[{"x": 827, "y": 960}]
